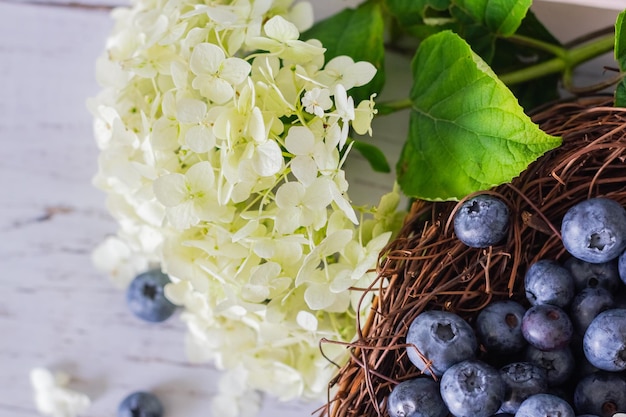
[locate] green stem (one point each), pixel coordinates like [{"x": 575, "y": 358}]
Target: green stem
[
  {"x": 567, "y": 62},
  {"x": 551, "y": 48},
  {"x": 389, "y": 107}
]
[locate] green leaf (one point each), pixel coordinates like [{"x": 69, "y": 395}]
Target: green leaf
[
  {"x": 359, "y": 34},
  {"x": 620, "y": 57},
  {"x": 620, "y": 40},
  {"x": 410, "y": 12},
  {"x": 375, "y": 157},
  {"x": 501, "y": 17},
  {"x": 466, "y": 132}
]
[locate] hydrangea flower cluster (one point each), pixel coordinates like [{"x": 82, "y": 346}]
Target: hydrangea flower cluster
[
  {"x": 53, "y": 397},
  {"x": 222, "y": 141}
]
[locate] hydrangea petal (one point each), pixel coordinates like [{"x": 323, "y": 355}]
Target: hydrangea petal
[
  {"x": 235, "y": 70},
  {"x": 362, "y": 72},
  {"x": 318, "y": 296},
  {"x": 200, "y": 138},
  {"x": 201, "y": 176},
  {"x": 170, "y": 189},
  {"x": 206, "y": 58},
  {"x": 301, "y": 14},
  {"x": 280, "y": 29},
  {"x": 215, "y": 89},
  {"x": 268, "y": 158},
  {"x": 307, "y": 321},
  {"x": 190, "y": 110},
  {"x": 300, "y": 140}
]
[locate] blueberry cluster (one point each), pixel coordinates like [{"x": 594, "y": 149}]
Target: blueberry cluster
[{"x": 560, "y": 350}]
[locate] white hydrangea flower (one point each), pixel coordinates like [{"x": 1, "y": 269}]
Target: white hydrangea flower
[
  {"x": 53, "y": 398},
  {"x": 216, "y": 75},
  {"x": 223, "y": 139},
  {"x": 281, "y": 38},
  {"x": 316, "y": 101},
  {"x": 342, "y": 70},
  {"x": 235, "y": 399}
]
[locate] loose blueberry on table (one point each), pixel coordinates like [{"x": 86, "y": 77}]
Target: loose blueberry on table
[
  {"x": 444, "y": 338},
  {"x": 482, "y": 221},
  {"x": 140, "y": 404},
  {"x": 145, "y": 297}
]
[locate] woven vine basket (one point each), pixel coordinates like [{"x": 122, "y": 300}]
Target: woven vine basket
[{"x": 426, "y": 267}]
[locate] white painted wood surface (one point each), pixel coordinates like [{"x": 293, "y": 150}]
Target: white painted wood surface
[{"x": 56, "y": 310}]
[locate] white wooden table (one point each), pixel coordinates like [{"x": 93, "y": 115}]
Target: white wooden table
[{"x": 56, "y": 310}]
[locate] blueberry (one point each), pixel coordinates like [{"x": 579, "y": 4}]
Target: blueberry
[
  {"x": 499, "y": 327},
  {"x": 146, "y": 298},
  {"x": 601, "y": 393},
  {"x": 559, "y": 364},
  {"x": 594, "y": 230},
  {"x": 481, "y": 221},
  {"x": 621, "y": 267},
  {"x": 472, "y": 389},
  {"x": 521, "y": 380},
  {"x": 443, "y": 338},
  {"x": 587, "y": 274},
  {"x": 547, "y": 327},
  {"x": 419, "y": 397},
  {"x": 140, "y": 404},
  {"x": 544, "y": 405},
  {"x": 547, "y": 282},
  {"x": 604, "y": 342},
  {"x": 587, "y": 305}
]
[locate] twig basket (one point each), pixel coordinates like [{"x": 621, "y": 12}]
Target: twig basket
[{"x": 426, "y": 267}]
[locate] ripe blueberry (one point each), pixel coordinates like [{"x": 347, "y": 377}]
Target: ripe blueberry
[
  {"x": 559, "y": 364},
  {"x": 521, "y": 380},
  {"x": 587, "y": 305},
  {"x": 601, "y": 393},
  {"x": 547, "y": 282},
  {"x": 544, "y": 405},
  {"x": 146, "y": 298},
  {"x": 594, "y": 230},
  {"x": 499, "y": 327},
  {"x": 547, "y": 327},
  {"x": 592, "y": 275},
  {"x": 481, "y": 221},
  {"x": 419, "y": 397},
  {"x": 140, "y": 404},
  {"x": 472, "y": 389},
  {"x": 604, "y": 342},
  {"x": 621, "y": 267},
  {"x": 443, "y": 338}
]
